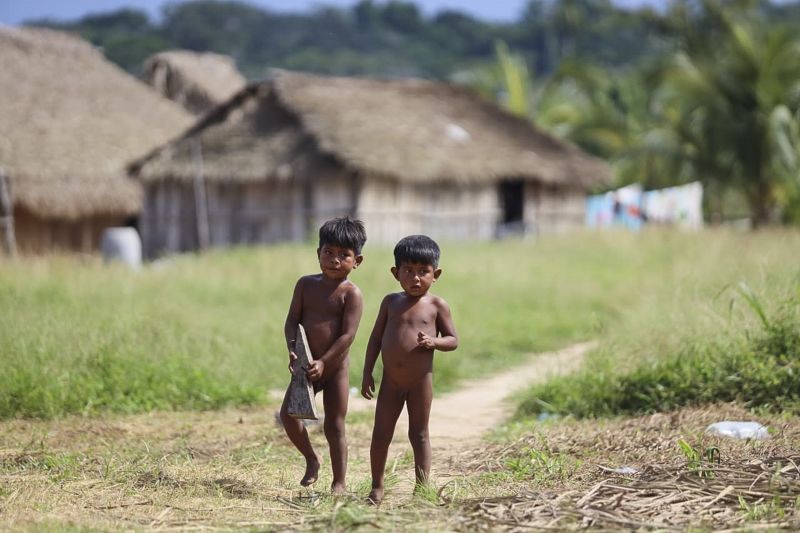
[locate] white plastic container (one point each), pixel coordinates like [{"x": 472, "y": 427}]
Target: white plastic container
[
  {"x": 122, "y": 244},
  {"x": 739, "y": 430}
]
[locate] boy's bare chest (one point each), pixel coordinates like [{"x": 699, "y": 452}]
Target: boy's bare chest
[
  {"x": 323, "y": 301},
  {"x": 416, "y": 316}
]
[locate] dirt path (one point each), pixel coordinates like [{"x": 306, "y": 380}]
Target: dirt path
[{"x": 459, "y": 419}]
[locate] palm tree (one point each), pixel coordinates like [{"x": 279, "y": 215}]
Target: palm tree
[{"x": 730, "y": 98}]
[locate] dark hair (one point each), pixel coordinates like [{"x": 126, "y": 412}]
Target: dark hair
[
  {"x": 345, "y": 232},
  {"x": 417, "y": 249}
]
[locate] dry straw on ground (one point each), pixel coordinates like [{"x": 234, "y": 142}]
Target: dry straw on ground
[
  {"x": 235, "y": 469},
  {"x": 727, "y": 484}
]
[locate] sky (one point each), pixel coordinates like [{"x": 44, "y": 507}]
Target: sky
[{"x": 15, "y": 11}]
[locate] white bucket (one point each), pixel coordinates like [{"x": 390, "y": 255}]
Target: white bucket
[{"x": 122, "y": 244}]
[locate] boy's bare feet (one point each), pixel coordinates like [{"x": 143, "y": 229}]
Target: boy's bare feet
[
  {"x": 312, "y": 471},
  {"x": 337, "y": 489},
  {"x": 375, "y": 497}
]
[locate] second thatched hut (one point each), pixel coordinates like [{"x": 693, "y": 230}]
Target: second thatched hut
[
  {"x": 408, "y": 156},
  {"x": 199, "y": 81}
]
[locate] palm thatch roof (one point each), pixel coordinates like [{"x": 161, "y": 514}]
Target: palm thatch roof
[
  {"x": 70, "y": 121},
  {"x": 411, "y": 130},
  {"x": 197, "y": 81}
]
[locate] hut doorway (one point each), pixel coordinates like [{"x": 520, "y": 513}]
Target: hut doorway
[{"x": 512, "y": 202}]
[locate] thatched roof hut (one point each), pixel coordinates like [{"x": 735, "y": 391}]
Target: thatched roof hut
[
  {"x": 197, "y": 80},
  {"x": 410, "y": 129},
  {"x": 370, "y": 143},
  {"x": 69, "y": 122}
]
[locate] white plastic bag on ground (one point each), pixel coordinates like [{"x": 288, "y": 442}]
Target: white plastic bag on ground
[{"x": 739, "y": 430}]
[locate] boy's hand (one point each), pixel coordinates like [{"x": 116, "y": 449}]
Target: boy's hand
[
  {"x": 368, "y": 387},
  {"x": 292, "y": 359},
  {"x": 315, "y": 370},
  {"x": 426, "y": 341}
]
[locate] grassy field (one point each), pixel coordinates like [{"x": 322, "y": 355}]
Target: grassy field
[
  {"x": 721, "y": 324},
  {"x": 78, "y": 336},
  {"x": 205, "y": 331},
  {"x": 681, "y": 320}
]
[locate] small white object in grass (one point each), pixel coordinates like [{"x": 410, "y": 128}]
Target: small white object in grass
[
  {"x": 353, "y": 391},
  {"x": 457, "y": 133},
  {"x": 123, "y": 245},
  {"x": 624, "y": 470},
  {"x": 739, "y": 430}
]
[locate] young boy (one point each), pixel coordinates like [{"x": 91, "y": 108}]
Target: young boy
[
  {"x": 410, "y": 326},
  {"x": 329, "y": 307}
]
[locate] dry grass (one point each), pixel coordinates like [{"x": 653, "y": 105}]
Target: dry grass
[
  {"x": 235, "y": 469},
  {"x": 174, "y": 470},
  {"x": 729, "y": 484}
]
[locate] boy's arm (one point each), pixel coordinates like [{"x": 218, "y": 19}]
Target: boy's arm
[
  {"x": 447, "y": 340},
  {"x": 373, "y": 350},
  {"x": 293, "y": 319},
  {"x": 353, "y": 307}
]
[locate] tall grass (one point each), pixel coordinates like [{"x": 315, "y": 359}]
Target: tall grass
[
  {"x": 725, "y": 329},
  {"x": 201, "y": 331}
]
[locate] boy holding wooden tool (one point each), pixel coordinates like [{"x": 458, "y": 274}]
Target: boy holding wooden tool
[{"x": 329, "y": 307}]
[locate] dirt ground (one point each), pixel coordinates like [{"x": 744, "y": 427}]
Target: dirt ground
[
  {"x": 460, "y": 419},
  {"x": 235, "y": 469}
]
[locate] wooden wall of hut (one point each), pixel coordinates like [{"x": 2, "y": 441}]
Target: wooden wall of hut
[
  {"x": 553, "y": 210},
  {"x": 37, "y": 235},
  {"x": 332, "y": 194},
  {"x": 239, "y": 213},
  {"x": 391, "y": 210}
]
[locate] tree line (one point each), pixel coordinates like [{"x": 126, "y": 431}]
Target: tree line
[
  {"x": 390, "y": 38},
  {"x": 703, "y": 90}
]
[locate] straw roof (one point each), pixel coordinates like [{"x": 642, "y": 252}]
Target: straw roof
[
  {"x": 411, "y": 130},
  {"x": 197, "y": 81},
  {"x": 70, "y": 121}
]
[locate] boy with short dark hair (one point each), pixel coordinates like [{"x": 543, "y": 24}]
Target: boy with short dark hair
[
  {"x": 411, "y": 324},
  {"x": 329, "y": 307}
]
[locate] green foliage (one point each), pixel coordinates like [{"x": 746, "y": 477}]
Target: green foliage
[
  {"x": 427, "y": 492},
  {"x": 726, "y": 104},
  {"x": 542, "y": 466},
  {"x": 700, "y": 462},
  {"x": 758, "y": 369},
  {"x": 516, "y": 81},
  {"x": 198, "y": 332},
  {"x": 409, "y": 42},
  {"x": 768, "y": 510},
  {"x": 201, "y": 332}
]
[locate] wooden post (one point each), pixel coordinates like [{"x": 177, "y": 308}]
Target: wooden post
[
  {"x": 200, "y": 203},
  {"x": 7, "y": 216},
  {"x": 301, "y": 403}
]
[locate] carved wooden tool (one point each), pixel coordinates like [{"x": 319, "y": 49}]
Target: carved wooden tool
[{"x": 301, "y": 391}]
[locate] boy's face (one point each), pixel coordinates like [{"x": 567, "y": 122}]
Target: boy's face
[
  {"x": 416, "y": 278},
  {"x": 336, "y": 262}
]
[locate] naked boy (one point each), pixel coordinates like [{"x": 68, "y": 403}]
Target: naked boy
[
  {"x": 329, "y": 307},
  {"x": 411, "y": 324}
]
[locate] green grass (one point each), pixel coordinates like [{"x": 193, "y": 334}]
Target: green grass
[
  {"x": 541, "y": 465},
  {"x": 728, "y": 333},
  {"x": 203, "y": 331}
]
